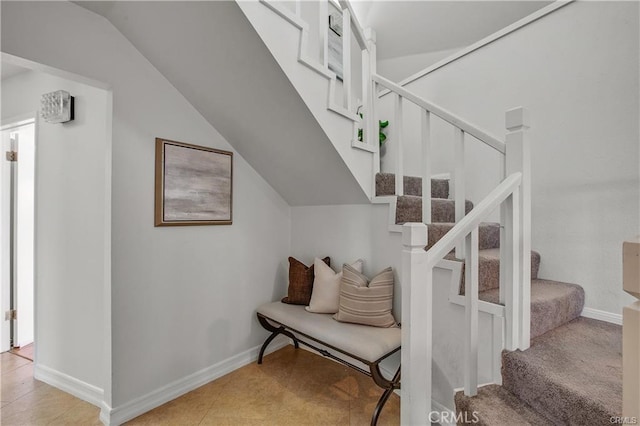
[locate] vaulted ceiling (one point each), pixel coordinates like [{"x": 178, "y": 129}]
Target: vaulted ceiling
[{"x": 412, "y": 27}]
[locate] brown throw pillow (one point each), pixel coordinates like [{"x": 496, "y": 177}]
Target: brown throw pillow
[
  {"x": 364, "y": 302},
  {"x": 300, "y": 282}
]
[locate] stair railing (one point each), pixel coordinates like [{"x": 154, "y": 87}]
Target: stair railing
[
  {"x": 513, "y": 197},
  {"x": 460, "y": 127},
  {"x": 312, "y": 18}
]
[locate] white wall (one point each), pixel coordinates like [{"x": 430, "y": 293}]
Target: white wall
[
  {"x": 71, "y": 182},
  {"x": 176, "y": 287},
  {"x": 581, "y": 88},
  {"x": 398, "y": 68}
]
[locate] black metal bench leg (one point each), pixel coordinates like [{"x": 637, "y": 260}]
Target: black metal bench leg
[
  {"x": 390, "y": 386},
  {"x": 381, "y": 402},
  {"x": 265, "y": 344},
  {"x": 292, "y": 337},
  {"x": 274, "y": 332}
]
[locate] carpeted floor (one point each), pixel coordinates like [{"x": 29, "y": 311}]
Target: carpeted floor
[{"x": 571, "y": 374}]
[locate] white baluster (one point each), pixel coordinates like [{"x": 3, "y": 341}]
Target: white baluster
[
  {"x": 426, "y": 166},
  {"x": 417, "y": 290},
  {"x": 471, "y": 314},
  {"x": 369, "y": 101},
  {"x": 497, "y": 345},
  {"x": 518, "y": 159},
  {"x": 346, "y": 59},
  {"x": 372, "y": 123},
  {"x": 504, "y": 258},
  {"x": 459, "y": 182},
  {"x": 323, "y": 20},
  {"x": 397, "y": 144},
  {"x": 511, "y": 270}
]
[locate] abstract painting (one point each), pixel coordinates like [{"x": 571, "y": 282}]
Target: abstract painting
[{"x": 193, "y": 185}]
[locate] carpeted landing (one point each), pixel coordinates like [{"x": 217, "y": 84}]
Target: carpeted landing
[{"x": 571, "y": 374}]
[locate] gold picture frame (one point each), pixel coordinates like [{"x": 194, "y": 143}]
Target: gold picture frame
[{"x": 193, "y": 185}]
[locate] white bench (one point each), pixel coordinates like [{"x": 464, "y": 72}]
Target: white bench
[{"x": 368, "y": 345}]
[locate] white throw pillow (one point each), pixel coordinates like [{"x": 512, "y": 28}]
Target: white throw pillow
[{"x": 325, "y": 297}]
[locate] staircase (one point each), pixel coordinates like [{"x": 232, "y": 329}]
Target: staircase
[
  {"x": 571, "y": 374},
  {"x": 550, "y": 350}
]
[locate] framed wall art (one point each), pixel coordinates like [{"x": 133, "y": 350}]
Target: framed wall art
[{"x": 193, "y": 185}]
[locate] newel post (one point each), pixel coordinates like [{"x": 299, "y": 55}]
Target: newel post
[
  {"x": 417, "y": 284},
  {"x": 517, "y": 280},
  {"x": 369, "y": 96},
  {"x": 631, "y": 330}
]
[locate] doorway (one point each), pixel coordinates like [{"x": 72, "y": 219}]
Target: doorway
[{"x": 17, "y": 219}]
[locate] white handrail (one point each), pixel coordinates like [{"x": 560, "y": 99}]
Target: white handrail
[
  {"x": 471, "y": 221},
  {"x": 447, "y": 116}
]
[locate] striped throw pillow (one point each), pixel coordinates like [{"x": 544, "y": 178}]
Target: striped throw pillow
[{"x": 366, "y": 302}]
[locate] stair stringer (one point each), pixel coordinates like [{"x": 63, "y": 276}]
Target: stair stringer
[{"x": 286, "y": 37}]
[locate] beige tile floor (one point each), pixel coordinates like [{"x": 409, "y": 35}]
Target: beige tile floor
[
  {"x": 26, "y": 401},
  {"x": 291, "y": 387}
]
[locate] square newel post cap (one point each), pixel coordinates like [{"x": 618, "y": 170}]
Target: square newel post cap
[
  {"x": 370, "y": 34},
  {"x": 631, "y": 267},
  {"x": 517, "y": 119},
  {"x": 414, "y": 235}
]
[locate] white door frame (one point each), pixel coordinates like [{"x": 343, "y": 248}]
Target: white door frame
[
  {"x": 5, "y": 269},
  {"x": 107, "y": 364}
]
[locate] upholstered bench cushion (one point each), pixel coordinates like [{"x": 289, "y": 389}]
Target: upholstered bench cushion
[{"x": 363, "y": 341}]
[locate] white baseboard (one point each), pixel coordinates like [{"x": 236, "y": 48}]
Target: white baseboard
[
  {"x": 602, "y": 315},
  {"x": 86, "y": 392},
  {"x": 118, "y": 415}
]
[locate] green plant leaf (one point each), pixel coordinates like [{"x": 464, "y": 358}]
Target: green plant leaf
[{"x": 384, "y": 124}]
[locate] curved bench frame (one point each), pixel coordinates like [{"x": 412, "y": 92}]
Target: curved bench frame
[{"x": 374, "y": 367}]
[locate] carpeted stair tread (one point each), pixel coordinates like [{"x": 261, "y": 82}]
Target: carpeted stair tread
[
  {"x": 488, "y": 235},
  {"x": 409, "y": 209},
  {"x": 573, "y": 374},
  {"x": 495, "y": 405},
  {"x": 553, "y": 304},
  {"x": 386, "y": 185},
  {"x": 489, "y": 268}
]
